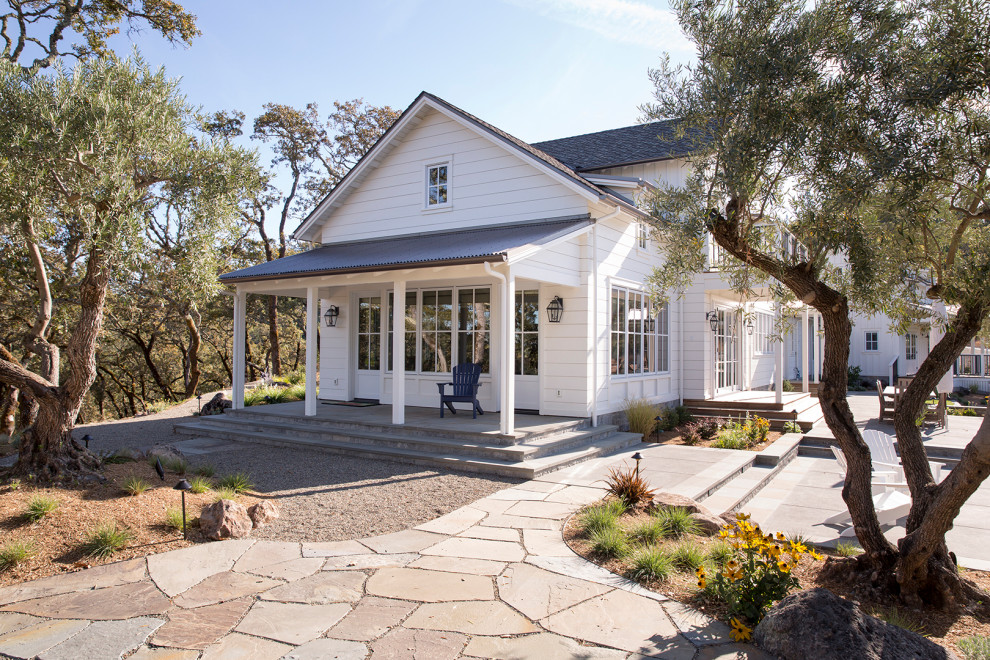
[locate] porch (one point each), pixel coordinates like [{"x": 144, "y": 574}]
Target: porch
[{"x": 778, "y": 408}]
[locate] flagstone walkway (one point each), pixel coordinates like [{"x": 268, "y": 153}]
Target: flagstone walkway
[{"x": 490, "y": 580}]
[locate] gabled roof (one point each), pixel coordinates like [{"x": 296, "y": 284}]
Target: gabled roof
[
  {"x": 623, "y": 146},
  {"x": 445, "y": 248},
  {"x": 565, "y": 173}
]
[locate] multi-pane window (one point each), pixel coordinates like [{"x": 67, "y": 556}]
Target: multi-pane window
[
  {"x": 437, "y": 329},
  {"x": 369, "y": 333},
  {"x": 640, "y": 335},
  {"x": 527, "y": 333},
  {"x": 910, "y": 346},
  {"x": 437, "y": 177},
  {"x": 872, "y": 340},
  {"x": 763, "y": 333},
  {"x": 641, "y": 234}
]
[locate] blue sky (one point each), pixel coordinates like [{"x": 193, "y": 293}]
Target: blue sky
[{"x": 539, "y": 69}]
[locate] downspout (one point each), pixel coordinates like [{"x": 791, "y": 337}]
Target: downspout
[
  {"x": 504, "y": 378},
  {"x": 596, "y": 335}
]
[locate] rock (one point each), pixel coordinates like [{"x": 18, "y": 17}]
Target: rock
[
  {"x": 818, "y": 624},
  {"x": 707, "y": 521},
  {"x": 164, "y": 451},
  {"x": 225, "y": 519},
  {"x": 216, "y": 405},
  {"x": 262, "y": 513},
  {"x": 128, "y": 453}
]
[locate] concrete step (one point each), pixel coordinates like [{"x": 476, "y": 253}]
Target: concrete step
[
  {"x": 800, "y": 404},
  {"x": 733, "y": 493}
]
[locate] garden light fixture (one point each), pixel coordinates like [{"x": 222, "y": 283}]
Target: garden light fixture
[
  {"x": 637, "y": 457},
  {"x": 331, "y": 315},
  {"x": 86, "y": 439},
  {"x": 199, "y": 400},
  {"x": 555, "y": 309},
  {"x": 183, "y": 486},
  {"x": 159, "y": 469}
]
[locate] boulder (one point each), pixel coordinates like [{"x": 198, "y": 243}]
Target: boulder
[
  {"x": 216, "y": 405},
  {"x": 225, "y": 519},
  {"x": 707, "y": 521},
  {"x": 164, "y": 451},
  {"x": 818, "y": 624},
  {"x": 262, "y": 513}
]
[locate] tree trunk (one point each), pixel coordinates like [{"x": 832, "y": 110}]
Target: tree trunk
[
  {"x": 273, "y": 336},
  {"x": 192, "y": 354},
  {"x": 47, "y": 448},
  {"x": 8, "y": 411}
]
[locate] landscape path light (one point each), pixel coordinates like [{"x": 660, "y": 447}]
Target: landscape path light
[
  {"x": 182, "y": 487},
  {"x": 86, "y": 439},
  {"x": 637, "y": 457},
  {"x": 159, "y": 469}
]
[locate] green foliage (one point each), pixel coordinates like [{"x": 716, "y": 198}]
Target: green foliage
[
  {"x": 205, "y": 470},
  {"x": 787, "y": 386},
  {"x": 40, "y": 506},
  {"x": 222, "y": 493},
  {"x": 652, "y": 565},
  {"x": 683, "y": 415},
  {"x": 173, "y": 518},
  {"x": 155, "y": 407},
  {"x": 297, "y": 377},
  {"x": 853, "y": 378},
  {"x": 106, "y": 539},
  {"x": 975, "y": 647},
  {"x": 175, "y": 464},
  {"x": 691, "y": 434},
  {"x": 599, "y": 517},
  {"x": 200, "y": 485},
  {"x": 641, "y": 416},
  {"x": 687, "y": 556},
  {"x": 628, "y": 486},
  {"x": 274, "y": 394},
  {"x": 13, "y": 553},
  {"x": 847, "y": 549},
  {"x": 650, "y": 532},
  {"x": 610, "y": 543},
  {"x": 117, "y": 458},
  {"x": 896, "y": 617},
  {"x": 719, "y": 552},
  {"x": 756, "y": 430},
  {"x": 963, "y": 411},
  {"x": 237, "y": 482},
  {"x": 676, "y": 521},
  {"x": 792, "y": 427},
  {"x": 135, "y": 485}
]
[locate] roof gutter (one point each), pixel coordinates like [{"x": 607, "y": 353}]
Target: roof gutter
[{"x": 366, "y": 269}]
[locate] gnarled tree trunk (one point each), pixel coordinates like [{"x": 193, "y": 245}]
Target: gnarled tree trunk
[{"x": 193, "y": 374}]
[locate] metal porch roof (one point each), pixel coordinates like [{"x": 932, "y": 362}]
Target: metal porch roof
[{"x": 437, "y": 248}]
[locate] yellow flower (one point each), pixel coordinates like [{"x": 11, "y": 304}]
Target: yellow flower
[
  {"x": 700, "y": 572},
  {"x": 702, "y": 583},
  {"x": 781, "y": 537},
  {"x": 740, "y": 632},
  {"x": 784, "y": 567},
  {"x": 742, "y": 516},
  {"x": 732, "y": 564},
  {"x": 723, "y": 533},
  {"x": 735, "y": 575},
  {"x": 798, "y": 547},
  {"x": 795, "y": 557},
  {"x": 817, "y": 556}
]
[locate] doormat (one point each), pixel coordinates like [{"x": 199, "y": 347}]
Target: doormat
[{"x": 352, "y": 404}]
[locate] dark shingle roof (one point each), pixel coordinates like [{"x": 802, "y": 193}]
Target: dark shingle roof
[
  {"x": 448, "y": 247},
  {"x": 622, "y": 146}
]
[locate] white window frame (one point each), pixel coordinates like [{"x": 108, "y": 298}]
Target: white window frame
[
  {"x": 866, "y": 341},
  {"x": 655, "y": 326},
  {"x": 442, "y": 161},
  {"x": 642, "y": 235},
  {"x": 763, "y": 335},
  {"x": 910, "y": 346}
]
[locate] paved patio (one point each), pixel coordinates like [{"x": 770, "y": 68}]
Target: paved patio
[{"x": 490, "y": 580}]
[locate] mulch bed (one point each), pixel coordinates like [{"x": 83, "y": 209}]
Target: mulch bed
[
  {"x": 57, "y": 538},
  {"x": 675, "y": 437},
  {"x": 943, "y": 627}
]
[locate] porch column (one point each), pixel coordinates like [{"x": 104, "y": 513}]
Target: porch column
[
  {"x": 508, "y": 415},
  {"x": 804, "y": 350},
  {"x": 816, "y": 347},
  {"x": 779, "y": 368},
  {"x": 240, "y": 339},
  {"x": 312, "y": 333},
  {"x": 399, "y": 352}
]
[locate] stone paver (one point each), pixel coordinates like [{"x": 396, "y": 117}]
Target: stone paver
[
  {"x": 246, "y": 647},
  {"x": 429, "y": 586},
  {"x": 11, "y": 621},
  {"x": 371, "y": 618},
  {"x": 224, "y": 586},
  {"x": 454, "y": 522},
  {"x": 545, "y": 543},
  {"x": 403, "y": 644},
  {"x": 328, "y": 649},
  {"x": 477, "y": 549},
  {"x": 363, "y": 562},
  {"x": 550, "y": 510},
  {"x": 543, "y": 646},
  {"x": 460, "y": 565},
  {"x": 29, "y": 642},
  {"x": 322, "y": 588},
  {"x": 148, "y": 653},
  {"x": 491, "y": 533},
  {"x": 479, "y": 617},
  {"x": 293, "y": 569},
  {"x": 198, "y": 628},
  {"x": 105, "y": 639},
  {"x": 408, "y": 540},
  {"x": 538, "y": 593},
  {"x": 110, "y": 575},
  {"x": 292, "y": 623},
  {"x": 266, "y": 553},
  {"x": 176, "y": 571},
  {"x": 334, "y": 549},
  {"x": 123, "y": 602}
]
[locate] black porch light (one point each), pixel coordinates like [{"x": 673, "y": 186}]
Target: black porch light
[
  {"x": 712, "y": 317},
  {"x": 555, "y": 309},
  {"x": 749, "y": 326},
  {"x": 330, "y": 316},
  {"x": 637, "y": 457},
  {"x": 183, "y": 486}
]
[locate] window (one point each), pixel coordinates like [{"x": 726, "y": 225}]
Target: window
[
  {"x": 763, "y": 333},
  {"x": 910, "y": 347},
  {"x": 369, "y": 333},
  {"x": 872, "y": 340},
  {"x": 437, "y": 185},
  {"x": 527, "y": 333},
  {"x": 640, "y": 334},
  {"x": 437, "y": 328},
  {"x": 641, "y": 235}
]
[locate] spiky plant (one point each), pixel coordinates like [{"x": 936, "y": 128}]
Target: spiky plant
[
  {"x": 106, "y": 539},
  {"x": 628, "y": 486},
  {"x": 40, "y": 506},
  {"x": 652, "y": 565}
]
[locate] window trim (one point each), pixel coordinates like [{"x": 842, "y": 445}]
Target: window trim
[
  {"x": 912, "y": 344},
  {"x": 866, "y": 341},
  {"x": 439, "y": 161},
  {"x": 763, "y": 333},
  {"x": 661, "y": 338},
  {"x": 642, "y": 236}
]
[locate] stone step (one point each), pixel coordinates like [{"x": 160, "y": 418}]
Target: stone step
[
  {"x": 800, "y": 404},
  {"x": 523, "y": 469},
  {"x": 817, "y": 446},
  {"x": 742, "y": 486}
]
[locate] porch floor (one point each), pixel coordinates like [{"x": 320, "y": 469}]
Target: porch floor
[{"x": 416, "y": 417}]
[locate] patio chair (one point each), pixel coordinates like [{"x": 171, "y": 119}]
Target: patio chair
[
  {"x": 465, "y": 389},
  {"x": 886, "y": 404},
  {"x": 890, "y": 499},
  {"x": 884, "y": 455}
]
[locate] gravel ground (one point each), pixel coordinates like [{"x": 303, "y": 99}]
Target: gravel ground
[{"x": 321, "y": 496}]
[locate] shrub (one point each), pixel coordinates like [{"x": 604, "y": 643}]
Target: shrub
[
  {"x": 205, "y": 470},
  {"x": 135, "y": 485},
  {"x": 691, "y": 434},
  {"x": 976, "y": 647},
  {"x": 756, "y": 430},
  {"x": 610, "y": 543},
  {"x": 173, "y": 518},
  {"x": 668, "y": 419},
  {"x": 199, "y": 485},
  {"x": 107, "y": 539},
  {"x": 792, "y": 427},
  {"x": 237, "y": 482},
  {"x": 683, "y": 415},
  {"x": 788, "y": 386},
  {"x": 628, "y": 486},
  {"x": 728, "y": 441},
  {"x": 847, "y": 549},
  {"x": 176, "y": 464},
  {"x": 40, "y": 506},
  {"x": 641, "y": 416},
  {"x": 895, "y": 617},
  {"x": 13, "y": 553},
  {"x": 708, "y": 427},
  {"x": 963, "y": 411},
  {"x": 275, "y": 394},
  {"x": 853, "y": 377},
  {"x": 599, "y": 517},
  {"x": 155, "y": 407},
  {"x": 763, "y": 576},
  {"x": 220, "y": 493},
  {"x": 649, "y": 532},
  {"x": 652, "y": 564},
  {"x": 687, "y": 556},
  {"x": 719, "y": 553},
  {"x": 293, "y": 377},
  {"x": 676, "y": 521}
]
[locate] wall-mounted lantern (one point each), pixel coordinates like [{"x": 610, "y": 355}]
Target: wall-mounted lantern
[
  {"x": 712, "y": 317},
  {"x": 331, "y": 315},
  {"x": 749, "y": 326},
  {"x": 555, "y": 309}
]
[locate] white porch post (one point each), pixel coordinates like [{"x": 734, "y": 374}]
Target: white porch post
[
  {"x": 818, "y": 352},
  {"x": 804, "y": 350},
  {"x": 240, "y": 339},
  {"x": 508, "y": 420},
  {"x": 312, "y": 330},
  {"x": 399, "y": 352},
  {"x": 779, "y": 369}
]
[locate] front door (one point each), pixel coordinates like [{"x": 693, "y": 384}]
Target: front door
[
  {"x": 367, "y": 377},
  {"x": 726, "y": 352},
  {"x": 527, "y": 329}
]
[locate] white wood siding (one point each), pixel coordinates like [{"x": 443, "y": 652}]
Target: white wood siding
[{"x": 488, "y": 185}]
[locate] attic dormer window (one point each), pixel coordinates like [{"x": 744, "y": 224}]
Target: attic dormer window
[{"x": 438, "y": 185}]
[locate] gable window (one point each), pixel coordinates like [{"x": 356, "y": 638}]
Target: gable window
[
  {"x": 437, "y": 185},
  {"x": 910, "y": 347},
  {"x": 641, "y": 235},
  {"x": 640, "y": 335},
  {"x": 872, "y": 340}
]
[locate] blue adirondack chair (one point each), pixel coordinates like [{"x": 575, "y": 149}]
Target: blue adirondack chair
[{"x": 465, "y": 389}]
